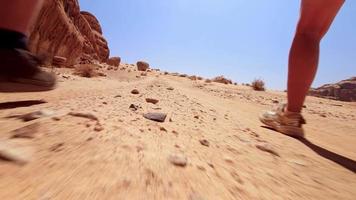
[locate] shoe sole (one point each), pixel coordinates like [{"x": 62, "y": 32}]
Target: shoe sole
[
  {"x": 28, "y": 86},
  {"x": 291, "y": 131}
]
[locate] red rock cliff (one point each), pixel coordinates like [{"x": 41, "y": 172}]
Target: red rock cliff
[{"x": 63, "y": 30}]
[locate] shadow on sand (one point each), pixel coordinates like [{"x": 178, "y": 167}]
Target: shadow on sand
[
  {"x": 339, "y": 159},
  {"x": 19, "y": 104}
]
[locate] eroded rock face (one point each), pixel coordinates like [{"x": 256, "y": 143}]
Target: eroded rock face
[
  {"x": 344, "y": 90},
  {"x": 63, "y": 30}
]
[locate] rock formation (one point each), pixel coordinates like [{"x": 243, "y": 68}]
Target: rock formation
[
  {"x": 114, "y": 61},
  {"x": 63, "y": 30},
  {"x": 344, "y": 90},
  {"x": 142, "y": 66}
]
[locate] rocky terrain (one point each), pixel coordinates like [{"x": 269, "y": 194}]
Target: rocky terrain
[
  {"x": 158, "y": 135},
  {"x": 344, "y": 90},
  {"x": 63, "y": 30}
]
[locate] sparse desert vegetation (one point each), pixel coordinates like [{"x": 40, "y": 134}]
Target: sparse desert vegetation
[
  {"x": 258, "y": 85},
  {"x": 222, "y": 79}
]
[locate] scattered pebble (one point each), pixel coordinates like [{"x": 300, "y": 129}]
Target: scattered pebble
[
  {"x": 12, "y": 153},
  {"x": 196, "y": 117},
  {"x": 56, "y": 147},
  {"x": 117, "y": 96},
  {"x": 84, "y": 115},
  {"x": 36, "y": 115},
  {"x": 178, "y": 160},
  {"x": 170, "y": 88},
  {"x": 275, "y": 101},
  {"x": 322, "y": 115},
  {"x": 134, "y": 107},
  {"x": 163, "y": 129},
  {"x": 158, "y": 117},
  {"x": 267, "y": 148},
  {"x": 56, "y": 118},
  {"x": 151, "y": 100},
  {"x": 204, "y": 142},
  {"x": 98, "y": 128},
  {"x": 27, "y": 132},
  {"x": 135, "y": 91}
]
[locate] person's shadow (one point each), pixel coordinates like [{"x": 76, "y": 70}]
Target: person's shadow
[{"x": 339, "y": 159}]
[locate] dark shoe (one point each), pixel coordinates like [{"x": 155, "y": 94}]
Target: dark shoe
[{"x": 20, "y": 72}]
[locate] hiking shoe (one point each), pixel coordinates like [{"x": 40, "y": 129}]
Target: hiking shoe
[
  {"x": 288, "y": 123},
  {"x": 20, "y": 72}
]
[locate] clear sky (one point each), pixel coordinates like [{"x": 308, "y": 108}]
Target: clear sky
[{"x": 241, "y": 39}]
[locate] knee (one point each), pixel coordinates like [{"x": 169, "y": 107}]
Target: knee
[{"x": 309, "y": 35}]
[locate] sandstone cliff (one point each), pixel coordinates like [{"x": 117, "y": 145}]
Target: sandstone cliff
[
  {"x": 63, "y": 30},
  {"x": 344, "y": 90}
]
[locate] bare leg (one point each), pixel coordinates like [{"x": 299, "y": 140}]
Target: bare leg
[
  {"x": 315, "y": 20},
  {"x": 16, "y": 15}
]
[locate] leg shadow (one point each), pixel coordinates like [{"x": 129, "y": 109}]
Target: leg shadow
[
  {"x": 19, "y": 104},
  {"x": 339, "y": 159}
]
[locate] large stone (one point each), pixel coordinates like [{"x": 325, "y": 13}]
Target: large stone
[
  {"x": 114, "y": 61},
  {"x": 344, "y": 90},
  {"x": 142, "y": 66},
  {"x": 63, "y": 30}
]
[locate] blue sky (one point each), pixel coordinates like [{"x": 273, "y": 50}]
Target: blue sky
[{"x": 241, "y": 39}]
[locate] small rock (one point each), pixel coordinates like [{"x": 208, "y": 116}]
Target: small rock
[
  {"x": 36, "y": 115},
  {"x": 117, "y": 96},
  {"x": 56, "y": 118},
  {"x": 178, "y": 160},
  {"x": 170, "y": 88},
  {"x": 322, "y": 115},
  {"x": 158, "y": 117},
  {"x": 267, "y": 148},
  {"x": 204, "y": 142},
  {"x": 134, "y": 107},
  {"x": 228, "y": 160},
  {"x": 196, "y": 117},
  {"x": 275, "y": 101},
  {"x": 84, "y": 115},
  {"x": 98, "y": 127},
  {"x": 27, "y": 132},
  {"x": 13, "y": 153},
  {"x": 163, "y": 129},
  {"x": 151, "y": 100},
  {"x": 135, "y": 91},
  {"x": 56, "y": 147}
]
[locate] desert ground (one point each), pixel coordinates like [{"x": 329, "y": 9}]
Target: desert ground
[{"x": 90, "y": 140}]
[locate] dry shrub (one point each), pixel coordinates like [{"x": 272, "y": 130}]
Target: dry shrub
[
  {"x": 258, "y": 85},
  {"x": 193, "y": 78},
  {"x": 86, "y": 70},
  {"x": 222, "y": 79},
  {"x": 207, "y": 81}
]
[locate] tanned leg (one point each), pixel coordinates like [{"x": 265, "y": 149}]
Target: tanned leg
[{"x": 315, "y": 20}]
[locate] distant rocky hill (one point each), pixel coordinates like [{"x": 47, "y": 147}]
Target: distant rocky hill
[
  {"x": 344, "y": 90},
  {"x": 63, "y": 30}
]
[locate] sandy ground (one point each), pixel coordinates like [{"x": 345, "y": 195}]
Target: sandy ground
[{"x": 122, "y": 155}]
